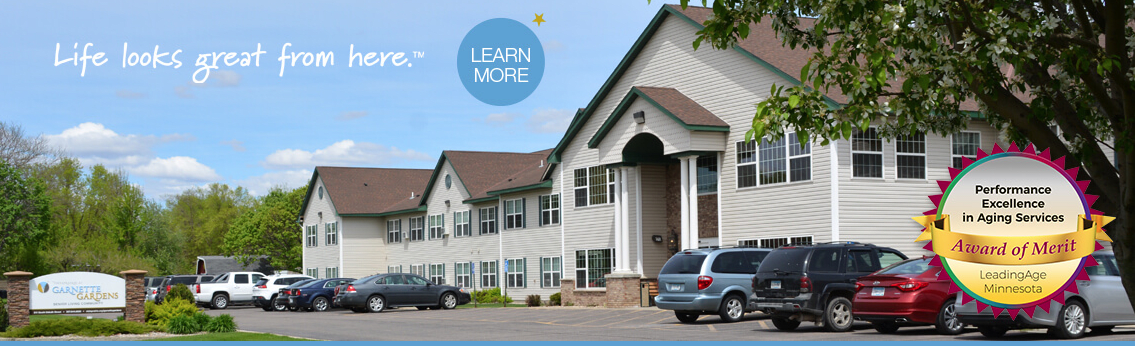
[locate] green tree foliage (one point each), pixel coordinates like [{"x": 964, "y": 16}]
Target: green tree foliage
[
  {"x": 203, "y": 216},
  {"x": 1058, "y": 74},
  {"x": 270, "y": 229},
  {"x": 25, "y": 218}
]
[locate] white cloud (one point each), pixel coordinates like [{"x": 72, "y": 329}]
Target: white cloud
[
  {"x": 498, "y": 119},
  {"x": 549, "y": 120},
  {"x": 225, "y": 78},
  {"x": 351, "y": 115},
  {"x": 553, "y": 46},
  {"x": 262, "y": 184},
  {"x": 342, "y": 153},
  {"x": 127, "y": 94},
  {"x": 181, "y": 168},
  {"x": 217, "y": 78},
  {"x": 235, "y": 144},
  {"x": 93, "y": 143}
]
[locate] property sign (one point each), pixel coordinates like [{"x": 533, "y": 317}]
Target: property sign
[{"x": 77, "y": 293}]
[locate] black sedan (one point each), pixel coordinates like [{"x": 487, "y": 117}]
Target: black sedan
[
  {"x": 282, "y": 302},
  {"x": 378, "y": 292}
]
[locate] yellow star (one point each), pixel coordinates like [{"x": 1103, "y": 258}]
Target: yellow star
[{"x": 539, "y": 19}]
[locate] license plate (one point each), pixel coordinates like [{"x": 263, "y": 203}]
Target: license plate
[
  {"x": 774, "y": 284},
  {"x": 878, "y": 291},
  {"x": 675, "y": 287}
]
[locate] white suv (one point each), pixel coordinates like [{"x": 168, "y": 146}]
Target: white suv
[{"x": 264, "y": 293}]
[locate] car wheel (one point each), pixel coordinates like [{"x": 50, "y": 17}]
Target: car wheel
[
  {"x": 885, "y": 327},
  {"x": 992, "y": 332},
  {"x": 732, "y": 309},
  {"x": 784, "y": 323},
  {"x": 948, "y": 323},
  {"x": 220, "y": 301},
  {"x": 321, "y": 304},
  {"x": 686, "y": 318},
  {"x": 837, "y": 315},
  {"x": 279, "y": 306},
  {"x": 448, "y": 301},
  {"x": 376, "y": 303},
  {"x": 1102, "y": 330},
  {"x": 1072, "y": 321},
  {"x": 266, "y": 307}
]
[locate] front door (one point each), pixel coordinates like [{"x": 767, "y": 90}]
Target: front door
[
  {"x": 419, "y": 289},
  {"x": 396, "y": 290}
]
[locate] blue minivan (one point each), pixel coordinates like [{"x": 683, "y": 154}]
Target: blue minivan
[{"x": 709, "y": 281}]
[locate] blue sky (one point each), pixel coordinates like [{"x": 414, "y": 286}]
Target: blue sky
[{"x": 248, "y": 126}]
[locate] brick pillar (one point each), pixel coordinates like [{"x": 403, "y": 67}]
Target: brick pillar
[
  {"x": 135, "y": 295},
  {"x": 19, "y": 303},
  {"x": 567, "y": 292},
  {"x": 623, "y": 290}
]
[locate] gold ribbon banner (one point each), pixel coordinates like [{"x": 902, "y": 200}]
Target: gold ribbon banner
[{"x": 1014, "y": 250}]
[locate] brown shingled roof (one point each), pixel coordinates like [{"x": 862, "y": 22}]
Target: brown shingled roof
[
  {"x": 689, "y": 111},
  {"x": 357, "y": 190},
  {"x": 481, "y": 171}
]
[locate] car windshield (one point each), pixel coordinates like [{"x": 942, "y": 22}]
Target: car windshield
[
  {"x": 365, "y": 280},
  {"x": 313, "y": 283},
  {"x": 224, "y": 277},
  {"x": 684, "y": 264},
  {"x": 301, "y": 283},
  {"x": 784, "y": 259},
  {"x": 914, "y": 266}
]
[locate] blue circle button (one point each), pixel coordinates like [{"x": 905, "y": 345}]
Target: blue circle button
[{"x": 500, "y": 61}]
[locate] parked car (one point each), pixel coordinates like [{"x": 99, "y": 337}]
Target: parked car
[
  {"x": 190, "y": 281},
  {"x": 227, "y": 289},
  {"x": 1101, "y": 304},
  {"x": 816, "y": 282},
  {"x": 283, "y": 297},
  {"x": 317, "y": 295},
  {"x": 375, "y": 293},
  {"x": 709, "y": 281},
  {"x": 906, "y": 293},
  {"x": 151, "y": 283},
  {"x": 265, "y": 290}
]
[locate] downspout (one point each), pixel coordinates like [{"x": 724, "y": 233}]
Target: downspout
[{"x": 835, "y": 189}]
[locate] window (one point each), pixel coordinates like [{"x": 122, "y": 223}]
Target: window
[
  {"x": 462, "y": 271},
  {"x": 866, "y": 154},
  {"x": 489, "y": 220},
  {"x": 514, "y": 213},
  {"x": 773, "y": 162},
  {"x": 331, "y": 272},
  {"x": 418, "y": 269},
  {"x": 861, "y": 261},
  {"x": 394, "y": 269},
  {"x": 581, "y": 187},
  {"x": 417, "y": 224},
  {"x": 515, "y": 274},
  {"x": 593, "y": 185},
  {"x": 964, "y": 144},
  {"x": 394, "y": 280},
  {"x": 311, "y": 236},
  {"x": 240, "y": 279},
  {"x": 461, "y": 226},
  {"x": 772, "y": 243},
  {"x": 312, "y": 272},
  {"x": 437, "y": 226},
  {"x": 489, "y": 274},
  {"x": 707, "y": 174},
  {"x": 550, "y": 271},
  {"x": 394, "y": 231},
  {"x": 331, "y": 233},
  {"x": 887, "y": 258},
  {"x": 448, "y": 182},
  {"x": 910, "y": 156},
  {"x": 437, "y": 273},
  {"x": 591, "y": 266},
  {"x": 549, "y": 210}
]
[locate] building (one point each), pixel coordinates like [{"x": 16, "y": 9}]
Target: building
[{"x": 655, "y": 163}]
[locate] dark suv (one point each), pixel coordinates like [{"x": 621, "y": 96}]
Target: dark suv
[{"x": 815, "y": 282}]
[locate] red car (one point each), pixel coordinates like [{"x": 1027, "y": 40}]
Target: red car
[{"x": 906, "y": 293}]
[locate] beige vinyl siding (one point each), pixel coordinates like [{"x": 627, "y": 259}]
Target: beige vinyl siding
[
  {"x": 364, "y": 250},
  {"x": 654, "y": 255},
  {"x": 323, "y": 255},
  {"x": 531, "y": 243},
  {"x": 674, "y": 137}
]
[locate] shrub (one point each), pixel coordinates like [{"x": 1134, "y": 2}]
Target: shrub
[
  {"x": 554, "y": 299},
  {"x": 170, "y": 309},
  {"x": 202, "y": 319},
  {"x": 79, "y": 326},
  {"x": 221, "y": 324},
  {"x": 533, "y": 300},
  {"x": 504, "y": 299},
  {"x": 180, "y": 292},
  {"x": 150, "y": 307},
  {"x": 488, "y": 296},
  {"x": 3, "y": 315},
  {"x": 183, "y": 325}
]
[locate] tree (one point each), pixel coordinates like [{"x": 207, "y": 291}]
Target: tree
[
  {"x": 19, "y": 150},
  {"x": 202, "y": 216},
  {"x": 269, "y": 229},
  {"x": 911, "y": 66},
  {"x": 25, "y": 215}
]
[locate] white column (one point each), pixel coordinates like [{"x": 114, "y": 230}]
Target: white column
[
  {"x": 624, "y": 231},
  {"x": 693, "y": 166},
  {"x": 617, "y": 200},
  {"x": 638, "y": 220},
  {"x": 685, "y": 201}
]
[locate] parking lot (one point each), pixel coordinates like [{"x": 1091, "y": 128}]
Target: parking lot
[{"x": 567, "y": 323}]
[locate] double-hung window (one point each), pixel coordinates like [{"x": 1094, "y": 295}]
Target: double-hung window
[
  {"x": 437, "y": 273},
  {"x": 593, "y": 185},
  {"x": 516, "y": 270},
  {"x": 332, "y": 233},
  {"x": 312, "y": 272},
  {"x": 312, "y": 235},
  {"x": 964, "y": 144},
  {"x": 418, "y": 269},
  {"x": 707, "y": 174},
  {"x": 461, "y": 226},
  {"x": 549, "y": 209},
  {"x": 799, "y": 159},
  {"x": 489, "y": 274},
  {"x": 591, "y": 266},
  {"x": 462, "y": 273},
  {"x": 773, "y": 162},
  {"x": 489, "y": 220},
  {"x": 437, "y": 226},
  {"x": 866, "y": 154},
  {"x": 514, "y": 213},
  {"x": 550, "y": 271},
  {"x": 910, "y": 156},
  {"x": 394, "y": 269},
  {"x": 332, "y": 272},
  {"x": 417, "y": 228},
  {"x": 772, "y": 243},
  {"x": 393, "y": 231}
]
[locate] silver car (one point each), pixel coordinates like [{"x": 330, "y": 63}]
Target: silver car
[
  {"x": 1101, "y": 305},
  {"x": 709, "y": 281}
]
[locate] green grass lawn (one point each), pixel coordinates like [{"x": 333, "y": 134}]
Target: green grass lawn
[
  {"x": 234, "y": 336},
  {"x": 490, "y": 305}
]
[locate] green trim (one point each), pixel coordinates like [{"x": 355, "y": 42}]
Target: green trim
[
  {"x": 975, "y": 115},
  {"x": 626, "y": 103},
  {"x": 693, "y": 153},
  {"x": 482, "y": 199},
  {"x": 433, "y": 177},
  {"x": 540, "y": 185},
  {"x": 307, "y": 196},
  {"x": 620, "y": 164},
  {"x": 396, "y": 212}
]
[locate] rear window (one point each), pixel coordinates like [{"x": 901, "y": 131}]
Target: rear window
[
  {"x": 784, "y": 259},
  {"x": 262, "y": 282},
  {"x": 301, "y": 283},
  {"x": 738, "y": 262},
  {"x": 365, "y": 280},
  {"x": 684, "y": 264},
  {"x": 183, "y": 280},
  {"x": 917, "y": 266}
]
